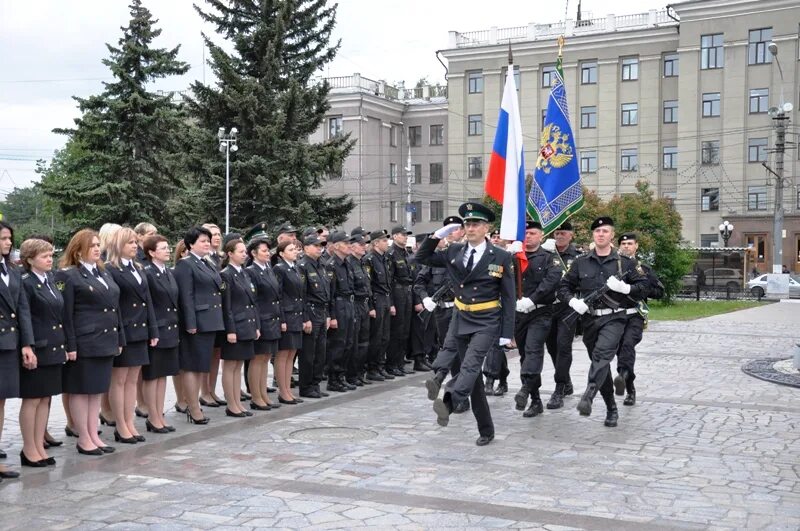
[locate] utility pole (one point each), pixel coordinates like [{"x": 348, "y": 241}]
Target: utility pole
[
  {"x": 410, "y": 178},
  {"x": 777, "y": 226}
]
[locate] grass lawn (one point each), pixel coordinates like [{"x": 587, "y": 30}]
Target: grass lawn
[{"x": 683, "y": 310}]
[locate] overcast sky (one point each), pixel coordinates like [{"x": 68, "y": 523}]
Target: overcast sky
[{"x": 51, "y": 50}]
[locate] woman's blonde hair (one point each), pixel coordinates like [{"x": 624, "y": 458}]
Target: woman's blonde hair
[
  {"x": 117, "y": 242},
  {"x": 105, "y": 233},
  {"x": 32, "y": 248}
]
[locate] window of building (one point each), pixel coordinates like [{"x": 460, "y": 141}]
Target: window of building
[
  {"x": 437, "y": 135},
  {"x": 588, "y": 117},
  {"x": 416, "y": 211},
  {"x": 709, "y": 240},
  {"x": 670, "y": 197},
  {"x": 710, "y": 104},
  {"x": 589, "y": 73},
  {"x": 757, "y": 150},
  {"x": 437, "y": 173},
  {"x": 671, "y": 111},
  {"x": 759, "y": 100},
  {"x": 709, "y": 151},
  {"x": 437, "y": 210},
  {"x": 588, "y": 161},
  {"x": 630, "y": 69},
  {"x": 671, "y": 65},
  {"x": 670, "y": 158},
  {"x": 334, "y": 126},
  {"x": 629, "y": 159},
  {"x": 392, "y": 173},
  {"x": 415, "y": 135},
  {"x": 544, "y": 117},
  {"x": 711, "y": 52},
  {"x": 548, "y": 75},
  {"x": 709, "y": 199},
  {"x": 475, "y": 124},
  {"x": 475, "y": 82},
  {"x": 393, "y": 135},
  {"x": 475, "y": 167},
  {"x": 630, "y": 114},
  {"x": 392, "y": 210},
  {"x": 416, "y": 172},
  {"x": 517, "y": 78},
  {"x": 759, "y": 243},
  {"x": 757, "y": 52},
  {"x": 757, "y": 197}
]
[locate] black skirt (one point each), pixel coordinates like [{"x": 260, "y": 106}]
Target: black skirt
[
  {"x": 241, "y": 350},
  {"x": 41, "y": 382},
  {"x": 163, "y": 363},
  {"x": 133, "y": 355},
  {"x": 266, "y": 346},
  {"x": 87, "y": 376},
  {"x": 290, "y": 341},
  {"x": 9, "y": 373},
  {"x": 195, "y": 351}
]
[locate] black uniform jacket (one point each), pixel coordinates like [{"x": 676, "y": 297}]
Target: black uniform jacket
[
  {"x": 200, "y": 296},
  {"x": 399, "y": 266},
  {"x": 341, "y": 276},
  {"x": 92, "y": 317},
  {"x": 135, "y": 303},
  {"x": 361, "y": 281},
  {"x": 590, "y": 272},
  {"x": 239, "y": 304},
  {"x": 540, "y": 279},
  {"x": 47, "y": 319},
  {"x": 164, "y": 296},
  {"x": 293, "y": 291},
  {"x": 491, "y": 279},
  {"x": 268, "y": 300},
  {"x": 15, "y": 315},
  {"x": 380, "y": 276},
  {"x": 318, "y": 287}
]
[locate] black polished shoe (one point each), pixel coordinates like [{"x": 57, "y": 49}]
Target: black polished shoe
[
  {"x": 375, "y": 376},
  {"x": 212, "y": 403},
  {"x": 141, "y": 414},
  {"x": 69, "y": 431},
  {"x": 169, "y": 428},
  {"x": 386, "y": 375},
  {"x": 96, "y": 451},
  {"x": 24, "y": 461},
  {"x": 619, "y": 383},
  {"x": 630, "y": 398},
  {"x": 488, "y": 387},
  {"x": 153, "y": 429},
  {"x": 311, "y": 394},
  {"x": 258, "y": 407},
  {"x": 51, "y": 442},
  {"x": 534, "y": 409},
  {"x": 107, "y": 449},
  {"x": 244, "y": 396},
  {"x": 483, "y": 440},
  {"x": 585, "y": 404},
  {"x": 557, "y": 398},
  {"x": 352, "y": 382},
  {"x": 229, "y": 413},
  {"x": 180, "y": 409},
  {"x": 433, "y": 385},
  {"x": 271, "y": 389},
  {"x": 364, "y": 381},
  {"x": 220, "y": 401},
  {"x": 9, "y": 474},
  {"x": 284, "y": 401},
  {"x": 442, "y": 412},
  {"x": 521, "y": 399},
  {"x": 612, "y": 415},
  {"x": 106, "y": 421},
  {"x": 125, "y": 440},
  {"x": 248, "y": 413},
  {"x": 568, "y": 389},
  {"x": 273, "y": 405},
  {"x": 502, "y": 388},
  {"x": 139, "y": 438},
  {"x": 192, "y": 420},
  {"x": 50, "y": 461}
]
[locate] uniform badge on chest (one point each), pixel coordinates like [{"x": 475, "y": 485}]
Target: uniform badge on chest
[{"x": 495, "y": 270}]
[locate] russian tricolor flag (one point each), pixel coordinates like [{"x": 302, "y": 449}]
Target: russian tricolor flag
[{"x": 505, "y": 180}]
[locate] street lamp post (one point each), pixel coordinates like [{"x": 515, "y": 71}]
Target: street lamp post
[
  {"x": 725, "y": 230},
  {"x": 227, "y": 143}
]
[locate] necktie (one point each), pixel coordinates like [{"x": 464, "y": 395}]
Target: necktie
[
  {"x": 3, "y": 269},
  {"x": 95, "y": 272},
  {"x": 130, "y": 267},
  {"x": 47, "y": 285},
  {"x": 471, "y": 260}
]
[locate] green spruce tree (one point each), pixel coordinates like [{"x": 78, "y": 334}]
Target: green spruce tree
[
  {"x": 121, "y": 162},
  {"x": 265, "y": 88}
]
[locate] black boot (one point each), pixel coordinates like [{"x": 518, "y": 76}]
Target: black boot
[
  {"x": 631, "y": 398},
  {"x": 434, "y": 384},
  {"x": 344, "y": 383},
  {"x": 334, "y": 385},
  {"x": 535, "y": 408},
  {"x": 585, "y": 404},
  {"x": 557, "y": 398},
  {"x": 502, "y": 388},
  {"x": 521, "y": 398},
  {"x": 568, "y": 389},
  {"x": 619, "y": 382},
  {"x": 488, "y": 387},
  {"x": 611, "y": 416}
]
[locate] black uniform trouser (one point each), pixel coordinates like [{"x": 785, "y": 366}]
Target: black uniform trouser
[
  {"x": 447, "y": 359},
  {"x": 626, "y": 355},
  {"x": 559, "y": 343},
  {"x": 340, "y": 339},
  {"x": 311, "y": 360},
  {"x": 378, "y": 333},
  {"x": 399, "y": 327},
  {"x": 423, "y": 334},
  {"x": 531, "y": 330},
  {"x": 442, "y": 318},
  {"x": 602, "y": 336},
  {"x": 357, "y": 365}
]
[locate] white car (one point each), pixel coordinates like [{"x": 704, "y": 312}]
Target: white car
[{"x": 758, "y": 286}]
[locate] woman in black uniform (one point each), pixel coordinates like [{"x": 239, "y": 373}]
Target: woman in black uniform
[
  {"x": 241, "y": 324},
  {"x": 268, "y": 302},
  {"x": 38, "y": 384},
  {"x": 292, "y": 293},
  {"x": 164, "y": 356},
  {"x": 208, "y": 385},
  {"x": 94, "y": 333},
  {"x": 200, "y": 305},
  {"x": 180, "y": 401}
]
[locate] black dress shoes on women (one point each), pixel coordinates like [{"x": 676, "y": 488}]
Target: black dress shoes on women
[
  {"x": 24, "y": 461},
  {"x": 107, "y": 422},
  {"x": 230, "y": 413},
  {"x": 151, "y": 428},
  {"x": 284, "y": 401},
  {"x": 8, "y": 474},
  {"x": 125, "y": 440},
  {"x": 95, "y": 451}
]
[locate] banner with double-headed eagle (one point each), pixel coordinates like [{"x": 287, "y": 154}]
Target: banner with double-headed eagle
[{"x": 556, "y": 192}]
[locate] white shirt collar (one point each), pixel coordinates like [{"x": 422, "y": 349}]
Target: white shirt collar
[
  {"x": 196, "y": 255},
  {"x": 42, "y": 278},
  {"x": 262, "y": 266},
  {"x": 478, "y": 248},
  {"x": 236, "y": 268},
  {"x": 125, "y": 262},
  {"x": 89, "y": 266}
]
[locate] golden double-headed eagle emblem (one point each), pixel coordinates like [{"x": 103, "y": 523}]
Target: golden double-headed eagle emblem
[{"x": 555, "y": 152}]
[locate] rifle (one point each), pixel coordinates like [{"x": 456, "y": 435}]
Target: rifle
[
  {"x": 600, "y": 293},
  {"x": 438, "y": 295}
]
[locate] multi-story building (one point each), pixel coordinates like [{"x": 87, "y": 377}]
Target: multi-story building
[{"x": 677, "y": 97}]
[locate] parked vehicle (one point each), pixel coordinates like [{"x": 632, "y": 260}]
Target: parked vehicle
[{"x": 758, "y": 286}]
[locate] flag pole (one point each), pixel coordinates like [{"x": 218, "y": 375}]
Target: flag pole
[{"x": 517, "y": 261}]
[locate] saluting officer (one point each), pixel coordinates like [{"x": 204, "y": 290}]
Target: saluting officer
[
  {"x": 364, "y": 309},
  {"x": 637, "y": 321},
  {"x": 562, "y": 333},
  {"x": 534, "y": 313},
  {"x": 484, "y": 310},
  {"x": 317, "y": 311},
  {"x": 340, "y": 334},
  {"x": 400, "y": 322},
  {"x": 381, "y": 284},
  {"x": 604, "y": 322}
]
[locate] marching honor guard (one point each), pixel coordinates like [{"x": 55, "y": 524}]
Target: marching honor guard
[
  {"x": 485, "y": 298},
  {"x": 603, "y": 268}
]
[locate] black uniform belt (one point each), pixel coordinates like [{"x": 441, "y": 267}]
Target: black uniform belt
[
  {"x": 400, "y": 283},
  {"x": 478, "y": 306},
  {"x": 362, "y": 298},
  {"x": 345, "y": 298}
]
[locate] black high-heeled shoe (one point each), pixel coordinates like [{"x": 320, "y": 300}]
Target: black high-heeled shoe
[
  {"x": 107, "y": 449},
  {"x": 51, "y": 442},
  {"x": 169, "y": 428},
  {"x": 193, "y": 420},
  {"x": 258, "y": 407},
  {"x": 106, "y": 421},
  {"x": 207, "y": 403},
  {"x": 230, "y": 413},
  {"x": 70, "y": 432},
  {"x": 141, "y": 414},
  {"x": 179, "y": 409},
  {"x": 139, "y": 438},
  {"x": 153, "y": 429},
  {"x": 96, "y": 451},
  {"x": 284, "y": 401},
  {"x": 24, "y": 461},
  {"x": 125, "y": 440}
]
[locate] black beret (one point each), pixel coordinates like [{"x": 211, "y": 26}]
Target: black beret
[
  {"x": 626, "y": 236},
  {"x": 338, "y": 236},
  {"x": 449, "y": 220},
  {"x": 475, "y": 211},
  {"x": 565, "y": 226},
  {"x": 530, "y": 224},
  {"x": 398, "y": 229},
  {"x": 602, "y": 221}
]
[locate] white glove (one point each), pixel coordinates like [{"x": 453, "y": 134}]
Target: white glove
[
  {"x": 525, "y": 305},
  {"x": 446, "y": 230},
  {"x": 549, "y": 245},
  {"x": 578, "y": 305},
  {"x": 620, "y": 286},
  {"x": 514, "y": 247},
  {"x": 428, "y": 303},
  {"x": 504, "y": 341}
]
